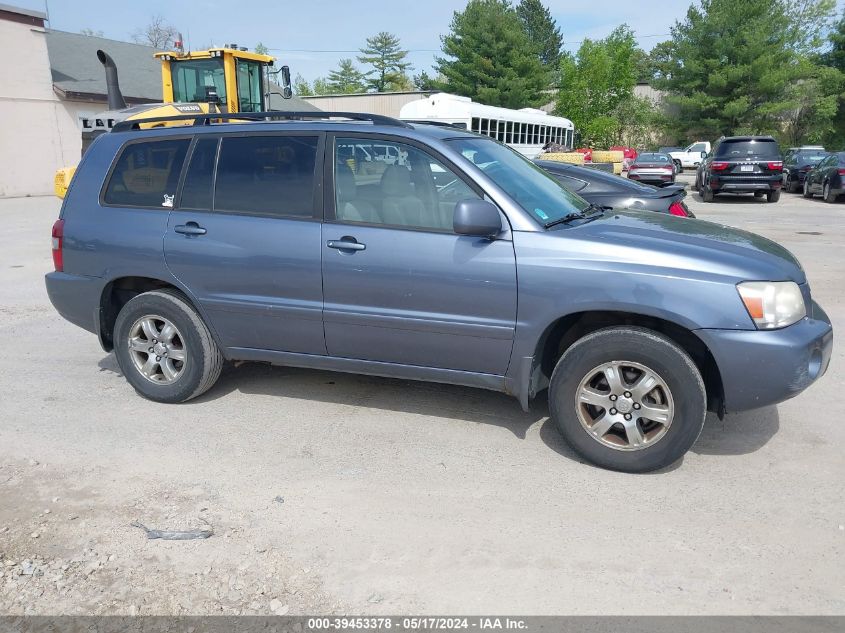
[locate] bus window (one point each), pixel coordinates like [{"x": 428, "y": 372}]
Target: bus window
[
  {"x": 476, "y": 124},
  {"x": 501, "y": 135}
]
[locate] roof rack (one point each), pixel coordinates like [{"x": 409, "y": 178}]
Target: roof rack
[
  {"x": 435, "y": 123},
  {"x": 207, "y": 119}
]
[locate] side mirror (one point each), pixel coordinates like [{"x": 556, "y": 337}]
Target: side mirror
[
  {"x": 704, "y": 154},
  {"x": 287, "y": 92},
  {"x": 479, "y": 218}
]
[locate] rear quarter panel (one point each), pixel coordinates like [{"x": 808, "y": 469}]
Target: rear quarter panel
[{"x": 108, "y": 242}]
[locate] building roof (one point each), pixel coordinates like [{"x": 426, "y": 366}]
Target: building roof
[
  {"x": 294, "y": 104},
  {"x": 78, "y": 74},
  {"x": 15, "y": 13}
]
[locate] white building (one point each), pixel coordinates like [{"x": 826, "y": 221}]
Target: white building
[{"x": 35, "y": 128}]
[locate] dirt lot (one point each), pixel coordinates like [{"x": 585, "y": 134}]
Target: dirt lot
[{"x": 337, "y": 493}]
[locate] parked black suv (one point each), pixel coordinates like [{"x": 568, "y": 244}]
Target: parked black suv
[{"x": 742, "y": 164}]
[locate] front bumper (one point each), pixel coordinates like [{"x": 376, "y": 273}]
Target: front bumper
[{"x": 764, "y": 367}]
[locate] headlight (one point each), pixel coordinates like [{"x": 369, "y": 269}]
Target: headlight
[{"x": 772, "y": 304}]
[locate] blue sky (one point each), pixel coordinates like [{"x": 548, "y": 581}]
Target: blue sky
[{"x": 295, "y": 31}]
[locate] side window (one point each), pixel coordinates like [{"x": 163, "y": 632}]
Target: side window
[
  {"x": 196, "y": 190},
  {"x": 266, "y": 175},
  {"x": 698, "y": 147},
  {"x": 146, "y": 174},
  {"x": 415, "y": 191}
]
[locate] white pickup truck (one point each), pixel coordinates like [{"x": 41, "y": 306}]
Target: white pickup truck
[{"x": 691, "y": 156}]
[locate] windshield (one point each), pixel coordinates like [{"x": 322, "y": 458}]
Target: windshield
[
  {"x": 810, "y": 157},
  {"x": 192, "y": 77},
  {"x": 533, "y": 189}
]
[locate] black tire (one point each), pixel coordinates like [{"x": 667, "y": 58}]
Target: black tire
[
  {"x": 807, "y": 193},
  {"x": 648, "y": 348},
  {"x": 791, "y": 186},
  {"x": 773, "y": 196},
  {"x": 827, "y": 194},
  {"x": 203, "y": 360},
  {"x": 707, "y": 194}
]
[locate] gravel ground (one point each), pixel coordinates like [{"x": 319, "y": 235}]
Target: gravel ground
[{"x": 349, "y": 494}]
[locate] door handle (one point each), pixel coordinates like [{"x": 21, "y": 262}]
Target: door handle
[
  {"x": 346, "y": 244},
  {"x": 191, "y": 228}
]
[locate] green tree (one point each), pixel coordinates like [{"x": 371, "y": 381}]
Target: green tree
[
  {"x": 346, "y": 78},
  {"x": 301, "y": 87},
  {"x": 834, "y": 61},
  {"x": 488, "y": 57},
  {"x": 261, "y": 49},
  {"x": 597, "y": 87},
  {"x": 384, "y": 53},
  {"x": 542, "y": 30},
  {"x": 742, "y": 67},
  {"x": 424, "y": 81},
  {"x": 321, "y": 86}
]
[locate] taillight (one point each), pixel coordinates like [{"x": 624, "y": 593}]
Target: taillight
[
  {"x": 718, "y": 165},
  {"x": 58, "y": 238},
  {"x": 676, "y": 208},
  {"x": 775, "y": 165},
  {"x": 842, "y": 172}
]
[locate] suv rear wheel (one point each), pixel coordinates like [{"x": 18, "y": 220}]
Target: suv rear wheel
[
  {"x": 628, "y": 399},
  {"x": 773, "y": 196},
  {"x": 164, "y": 349},
  {"x": 807, "y": 192},
  {"x": 707, "y": 193}
]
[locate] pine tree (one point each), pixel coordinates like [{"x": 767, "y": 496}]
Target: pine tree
[
  {"x": 384, "y": 53},
  {"x": 346, "y": 78},
  {"x": 488, "y": 57},
  {"x": 741, "y": 67},
  {"x": 542, "y": 30}
]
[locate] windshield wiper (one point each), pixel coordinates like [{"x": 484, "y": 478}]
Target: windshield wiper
[{"x": 590, "y": 211}]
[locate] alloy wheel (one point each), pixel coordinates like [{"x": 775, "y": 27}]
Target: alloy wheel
[
  {"x": 625, "y": 405},
  {"x": 157, "y": 349}
]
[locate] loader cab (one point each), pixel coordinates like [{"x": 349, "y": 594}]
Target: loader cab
[{"x": 233, "y": 79}]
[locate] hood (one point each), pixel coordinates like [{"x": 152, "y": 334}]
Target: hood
[{"x": 652, "y": 241}]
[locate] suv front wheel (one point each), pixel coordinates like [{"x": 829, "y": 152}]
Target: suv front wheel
[
  {"x": 628, "y": 399},
  {"x": 164, "y": 349}
]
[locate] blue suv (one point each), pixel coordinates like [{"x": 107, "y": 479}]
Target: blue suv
[{"x": 363, "y": 244}]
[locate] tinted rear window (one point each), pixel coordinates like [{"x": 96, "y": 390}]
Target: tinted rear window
[
  {"x": 146, "y": 174},
  {"x": 748, "y": 149},
  {"x": 654, "y": 158},
  {"x": 266, "y": 175}
]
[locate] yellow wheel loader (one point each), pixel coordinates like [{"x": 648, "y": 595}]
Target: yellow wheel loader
[{"x": 225, "y": 80}]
